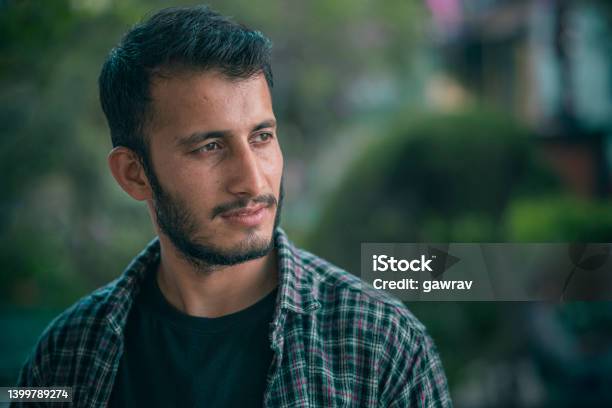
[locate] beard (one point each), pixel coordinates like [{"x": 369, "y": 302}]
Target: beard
[{"x": 176, "y": 220}]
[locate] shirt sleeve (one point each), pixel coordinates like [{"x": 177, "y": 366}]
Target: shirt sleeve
[
  {"x": 411, "y": 372},
  {"x": 29, "y": 376}
]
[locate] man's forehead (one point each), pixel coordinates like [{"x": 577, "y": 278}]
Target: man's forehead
[
  {"x": 196, "y": 101},
  {"x": 187, "y": 83}
]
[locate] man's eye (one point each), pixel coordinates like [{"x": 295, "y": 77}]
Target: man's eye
[
  {"x": 262, "y": 137},
  {"x": 209, "y": 147}
]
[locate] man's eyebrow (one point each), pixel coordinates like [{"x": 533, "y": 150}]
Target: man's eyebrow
[{"x": 270, "y": 123}]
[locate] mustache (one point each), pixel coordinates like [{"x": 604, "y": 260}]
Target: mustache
[{"x": 267, "y": 199}]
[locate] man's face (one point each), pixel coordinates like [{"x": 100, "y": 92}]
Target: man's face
[{"x": 216, "y": 166}]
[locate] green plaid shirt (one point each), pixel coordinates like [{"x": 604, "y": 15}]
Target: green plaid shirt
[{"x": 337, "y": 342}]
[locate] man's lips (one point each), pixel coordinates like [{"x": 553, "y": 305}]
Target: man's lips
[
  {"x": 243, "y": 211},
  {"x": 249, "y": 216}
]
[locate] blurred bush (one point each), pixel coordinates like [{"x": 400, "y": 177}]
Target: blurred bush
[
  {"x": 436, "y": 178},
  {"x": 559, "y": 219}
]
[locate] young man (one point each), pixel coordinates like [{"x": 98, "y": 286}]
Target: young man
[{"x": 221, "y": 310}]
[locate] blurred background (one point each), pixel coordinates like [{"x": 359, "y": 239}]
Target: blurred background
[{"x": 400, "y": 121}]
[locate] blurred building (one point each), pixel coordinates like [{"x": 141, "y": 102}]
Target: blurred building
[{"x": 549, "y": 62}]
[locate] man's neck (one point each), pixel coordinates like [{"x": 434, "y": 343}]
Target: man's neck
[{"x": 216, "y": 293}]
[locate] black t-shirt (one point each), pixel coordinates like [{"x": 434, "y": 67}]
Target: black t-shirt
[{"x": 172, "y": 359}]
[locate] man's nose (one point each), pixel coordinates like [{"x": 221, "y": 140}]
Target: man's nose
[{"x": 246, "y": 176}]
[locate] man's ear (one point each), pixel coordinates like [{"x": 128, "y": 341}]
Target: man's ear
[{"x": 128, "y": 171}]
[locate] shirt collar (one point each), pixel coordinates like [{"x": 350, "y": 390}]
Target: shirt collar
[
  {"x": 296, "y": 289},
  {"x": 295, "y": 279}
]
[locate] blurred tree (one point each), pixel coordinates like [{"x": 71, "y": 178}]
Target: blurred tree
[
  {"x": 437, "y": 178},
  {"x": 56, "y": 200},
  {"x": 559, "y": 219}
]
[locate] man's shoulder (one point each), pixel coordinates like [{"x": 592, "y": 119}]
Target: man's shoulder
[
  {"x": 75, "y": 334},
  {"x": 340, "y": 291},
  {"x": 88, "y": 315},
  {"x": 107, "y": 306}
]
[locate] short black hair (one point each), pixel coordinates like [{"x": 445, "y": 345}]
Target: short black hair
[{"x": 178, "y": 37}]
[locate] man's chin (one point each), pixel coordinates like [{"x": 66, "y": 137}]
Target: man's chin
[
  {"x": 253, "y": 245},
  {"x": 253, "y": 240}
]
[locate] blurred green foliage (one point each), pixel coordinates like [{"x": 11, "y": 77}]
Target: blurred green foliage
[
  {"x": 60, "y": 210},
  {"x": 559, "y": 219},
  {"x": 437, "y": 178}
]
